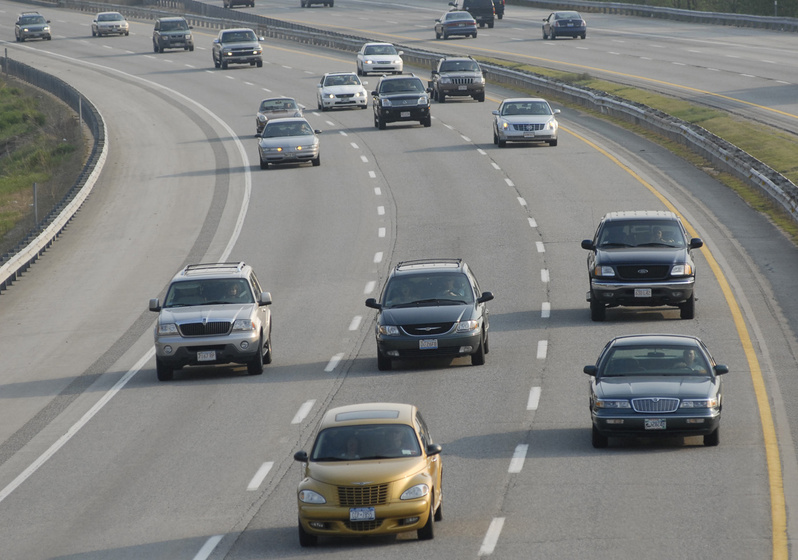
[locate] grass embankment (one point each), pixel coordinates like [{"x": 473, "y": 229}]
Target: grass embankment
[
  {"x": 40, "y": 142},
  {"x": 774, "y": 147}
]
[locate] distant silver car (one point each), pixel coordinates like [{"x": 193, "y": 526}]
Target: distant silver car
[
  {"x": 379, "y": 57},
  {"x": 109, "y": 23},
  {"x": 288, "y": 140},
  {"x": 276, "y": 108},
  {"x": 340, "y": 89},
  {"x": 525, "y": 119},
  {"x": 237, "y": 46}
]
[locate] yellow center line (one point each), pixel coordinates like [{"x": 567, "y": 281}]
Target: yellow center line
[{"x": 778, "y": 510}]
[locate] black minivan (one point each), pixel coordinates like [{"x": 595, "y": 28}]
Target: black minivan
[{"x": 481, "y": 10}]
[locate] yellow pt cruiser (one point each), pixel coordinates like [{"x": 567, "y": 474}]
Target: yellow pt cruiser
[{"x": 373, "y": 470}]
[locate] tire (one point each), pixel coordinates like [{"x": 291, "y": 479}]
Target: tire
[
  {"x": 216, "y": 63},
  {"x": 381, "y": 124},
  {"x": 164, "y": 372},
  {"x": 552, "y": 143},
  {"x": 439, "y": 511},
  {"x": 687, "y": 309},
  {"x": 359, "y": 71},
  {"x": 583, "y": 36},
  {"x": 495, "y": 138},
  {"x": 191, "y": 48},
  {"x": 552, "y": 36},
  {"x": 224, "y": 65},
  {"x": 427, "y": 122},
  {"x": 500, "y": 16},
  {"x": 155, "y": 47},
  {"x": 713, "y": 439},
  {"x": 445, "y": 36},
  {"x": 441, "y": 97},
  {"x": 437, "y": 35},
  {"x": 316, "y": 162},
  {"x": 93, "y": 33},
  {"x": 490, "y": 25},
  {"x": 259, "y": 64},
  {"x": 264, "y": 164},
  {"x": 599, "y": 440},
  {"x": 376, "y": 121},
  {"x": 268, "y": 355},
  {"x": 485, "y": 343},
  {"x": 502, "y": 143},
  {"x": 545, "y": 37},
  {"x": 255, "y": 365},
  {"x": 481, "y": 97},
  {"x": 478, "y": 357},
  {"x": 383, "y": 362},
  {"x": 427, "y": 532},
  {"x": 597, "y": 310},
  {"x": 305, "y": 538}
]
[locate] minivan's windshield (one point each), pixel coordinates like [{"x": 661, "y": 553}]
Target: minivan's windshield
[{"x": 432, "y": 289}]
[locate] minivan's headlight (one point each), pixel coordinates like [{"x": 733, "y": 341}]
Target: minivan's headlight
[
  {"x": 467, "y": 326},
  {"x": 389, "y": 330},
  {"x": 417, "y": 491},
  {"x": 311, "y": 497}
]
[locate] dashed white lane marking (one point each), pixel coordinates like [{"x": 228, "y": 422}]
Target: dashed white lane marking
[
  {"x": 521, "y": 201},
  {"x": 543, "y": 348},
  {"x": 353, "y": 326},
  {"x": 533, "y": 223},
  {"x": 267, "y": 90},
  {"x": 544, "y": 275},
  {"x": 370, "y": 285},
  {"x": 509, "y": 182},
  {"x": 330, "y": 123},
  {"x": 304, "y": 410},
  {"x": 545, "y": 310},
  {"x": 372, "y": 175},
  {"x": 534, "y": 399},
  {"x": 378, "y": 257},
  {"x": 377, "y": 191},
  {"x": 495, "y": 165},
  {"x": 491, "y": 537},
  {"x": 249, "y": 83},
  {"x": 540, "y": 246},
  {"x": 380, "y": 210},
  {"x": 257, "y": 480},
  {"x": 208, "y": 547},
  {"x": 333, "y": 362},
  {"x": 481, "y": 151},
  {"x": 466, "y": 138},
  {"x": 342, "y": 133},
  {"x": 517, "y": 462},
  {"x": 355, "y": 146},
  {"x": 364, "y": 159},
  {"x": 381, "y": 232}
]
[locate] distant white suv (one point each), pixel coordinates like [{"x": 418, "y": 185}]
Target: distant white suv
[{"x": 213, "y": 313}]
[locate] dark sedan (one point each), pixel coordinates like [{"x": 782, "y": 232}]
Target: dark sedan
[
  {"x": 655, "y": 385},
  {"x": 564, "y": 24},
  {"x": 455, "y": 23}
]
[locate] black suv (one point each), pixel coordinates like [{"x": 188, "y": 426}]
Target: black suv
[
  {"x": 483, "y": 11},
  {"x": 457, "y": 76},
  {"x": 400, "y": 98},
  {"x": 429, "y": 309},
  {"x": 641, "y": 259},
  {"x": 172, "y": 33}
]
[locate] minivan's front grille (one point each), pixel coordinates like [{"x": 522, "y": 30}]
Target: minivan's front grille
[
  {"x": 655, "y": 405},
  {"x": 643, "y": 271},
  {"x": 428, "y": 329},
  {"x": 205, "y": 329},
  {"x": 360, "y": 496}
]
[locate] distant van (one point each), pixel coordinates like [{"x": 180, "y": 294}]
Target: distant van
[{"x": 481, "y": 10}]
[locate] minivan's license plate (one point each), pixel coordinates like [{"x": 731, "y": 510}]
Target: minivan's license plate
[
  {"x": 362, "y": 514},
  {"x": 206, "y": 356},
  {"x": 428, "y": 344},
  {"x": 642, "y": 292},
  {"x": 654, "y": 423}
]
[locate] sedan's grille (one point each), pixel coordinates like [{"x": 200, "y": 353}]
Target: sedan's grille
[
  {"x": 205, "y": 329},
  {"x": 363, "y": 525},
  {"x": 648, "y": 272},
  {"x": 361, "y": 496},
  {"x": 428, "y": 329},
  {"x": 655, "y": 405},
  {"x": 345, "y": 95},
  {"x": 528, "y": 127},
  {"x": 462, "y": 81}
]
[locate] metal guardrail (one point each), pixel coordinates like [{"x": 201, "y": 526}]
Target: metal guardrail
[{"x": 716, "y": 150}]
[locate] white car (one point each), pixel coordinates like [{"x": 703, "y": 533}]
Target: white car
[
  {"x": 340, "y": 89},
  {"x": 109, "y": 23},
  {"x": 525, "y": 119},
  {"x": 379, "y": 57}
]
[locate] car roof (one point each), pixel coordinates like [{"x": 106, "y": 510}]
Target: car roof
[
  {"x": 339, "y": 74},
  {"x": 655, "y": 340},
  {"x": 368, "y": 413},
  {"x": 287, "y": 119},
  {"x": 172, "y": 18},
  {"x": 640, "y": 215},
  {"x": 428, "y": 265},
  {"x": 399, "y": 77},
  {"x": 108, "y": 13},
  {"x": 378, "y": 44},
  {"x": 219, "y": 270},
  {"x": 523, "y": 100}
]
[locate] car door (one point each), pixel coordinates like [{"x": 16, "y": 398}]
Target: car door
[{"x": 434, "y": 466}]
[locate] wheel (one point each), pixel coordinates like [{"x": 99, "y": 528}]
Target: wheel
[
  {"x": 597, "y": 310},
  {"x": 490, "y": 25},
  {"x": 191, "y": 48},
  {"x": 502, "y": 143},
  {"x": 445, "y": 36},
  {"x": 481, "y": 97},
  {"x": 376, "y": 121},
  {"x": 687, "y": 309},
  {"x": 439, "y": 511},
  {"x": 427, "y": 122},
  {"x": 127, "y": 33},
  {"x": 474, "y": 35},
  {"x": 713, "y": 439},
  {"x": 481, "y": 24},
  {"x": 478, "y": 357},
  {"x": 359, "y": 71},
  {"x": 224, "y": 65},
  {"x": 93, "y": 33},
  {"x": 306, "y": 539},
  {"x": 259, "y": 64},
  {"x": 552, "y": 142},
  {"x": 264, "y": 164},
  {"x": 552, "y": 36},
  {"x": 216, "y": 63},
  {"x": 495, "y": 138},
  {"x": 383, "y": 362},
  {"x": 381, "y": 124},
  {"x": 437, "y": 35},
  {"x": 164, "y": 372},
  {"x": 544, "y": 35},
  {"x": 21, "y": 39},
  {"x": 267, "y": 356},
  {"x": 485, "y": 343},
  {"x": 316, "y": 162},
  {"x": 441, "y": 97},
  {"x": 500, "y": 16},
  {"x": 427, "y": 532},
  {"x": 599, "y": 441},
  {"x": 155, "y": 47},
  {"x": 255, "y": 365},
  {"x": 583, "y": 35}
]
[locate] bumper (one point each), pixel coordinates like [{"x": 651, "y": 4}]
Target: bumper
[
  {"x": 390, "y": 519},
  {"x": 672, "y": 292},
  {"x": 112, "y": 30},
  {"x": 289, "y": 157},
  {"x": 243, "y": 59},
  {"x": 185, "y": 352},
  {"x": 378, "y": 68},
  {"x": 170, "y": 43},
  {"x": 336, "y": 102},
  {"x": 34, "y": 35},
  {"x": 674, "y": 424},
  {"x": 573, "y": 32},
  {"x": 452, "y": 346},
  {"x": 396, "y": 114},
  {"x": 452, "y": 90},
  {"x": 529, "y": 136},
  {"x": 454, "y": 31}
]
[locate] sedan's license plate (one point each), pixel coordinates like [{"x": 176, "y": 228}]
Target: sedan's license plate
[
  {"x": 642, "y": 292},
  {"x": 206, "y": 356},
  {"x": 405, "y": 114},
  {"x": 428, "y": 344},
  {"x": 654, "y": 423},
  {"x": 362, "y": 514}
]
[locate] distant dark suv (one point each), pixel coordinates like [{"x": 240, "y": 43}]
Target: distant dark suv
[
  {"x": 641, "y": 259},
  {"x": 483, "y": 11},
  {"x": 172, "y": 33},
  {"x": 457, "y": 76},
  {"x": 400, "y": 98},
  {"x": 430, "y": 309},
  {"x": 213, "y": 313}
]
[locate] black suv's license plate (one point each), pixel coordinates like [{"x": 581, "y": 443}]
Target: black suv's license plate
[{"x": 642, "y": 292}]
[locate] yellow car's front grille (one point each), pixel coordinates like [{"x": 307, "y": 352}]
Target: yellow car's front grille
[
  {"x": 363, "y": 525},
  {"x": 359, "y": 496}
]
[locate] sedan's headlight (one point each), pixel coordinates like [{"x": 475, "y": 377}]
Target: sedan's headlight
[
  {"x": 682, "y": 270},
  {"x": 389, "y": 330},
  {"x": 551, "y": 125},
  {"x": 417, "y": 491},
  {"x": 610, "y": 403},
  {"x": 360, "y": 94},
  {"x": 329, "y": 95},
  {"x": 603, "y": 271},
  {"x": 311, "y": 497},
  {"x": 467, "y": 326},
  {"x": 243, "y": 325},
  {"x": 167, "y": 328},
  {"x": 699, "y": 403}
]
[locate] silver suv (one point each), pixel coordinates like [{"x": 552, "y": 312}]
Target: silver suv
[
  {"x": 213, "y": 313},
  {"x": 457, "y": 76}
]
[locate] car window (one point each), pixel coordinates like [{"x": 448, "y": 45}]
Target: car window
[
  {"x": 433, "y": 289},
  {"x": 173, "y": 25},
  {"x": 238, "y": 37},
  {"x": 208, "y": 292},
  {"x": 365, "y": 442},
  {"x": 654, "y": 360},
  {"x": 402, "y": 86},
  {"x": 110, "y": 17},
  {"x": 28, "y": 20},
  {"x": 648, "y": 233}
]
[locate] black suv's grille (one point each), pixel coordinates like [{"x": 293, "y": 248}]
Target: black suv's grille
[
  {"x": 205, "y": 329},
  {"x": 643, "y": 272},
  {"x": 528, "y": 127},
  {"x": 655, "y": 405},
  {"x": 428, "y": 329},
  {"x": 359, "y": 496}
]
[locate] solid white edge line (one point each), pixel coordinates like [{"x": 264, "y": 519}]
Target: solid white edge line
[
  {"x": 492, "y": 536},
  {"x": 208, "y": 547},
  {"x": 519, "y": 456},
  {"x": 534, "y": 398},
  {"x": 257, "y": 480}
]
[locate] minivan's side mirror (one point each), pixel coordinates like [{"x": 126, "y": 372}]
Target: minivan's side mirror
[
  {"x": 371, "y": 302},
  {"x": 486, "y": 296},
  {"x": 590, "y": 370}
]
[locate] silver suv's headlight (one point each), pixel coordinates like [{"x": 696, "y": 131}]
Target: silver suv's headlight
[
  {"x": 243, "y": 325},
  {"x": 167, "y": 328}
]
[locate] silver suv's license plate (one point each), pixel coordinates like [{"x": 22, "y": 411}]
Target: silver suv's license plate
[
  {"x": 362, "y": 514},
  {"x": 206, "y": 356},
  {"x": 428, "y": 344}
]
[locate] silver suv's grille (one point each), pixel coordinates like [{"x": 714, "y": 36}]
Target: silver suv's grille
[
  {"x": 428, "y": 329},
  {"x": 528, "y": 127},
  {"x": 204, "y": 329},
  {"x": 358, "y": 496},
  {"x": 462, "y": 81},
  {"x": 655, "y": 405}
]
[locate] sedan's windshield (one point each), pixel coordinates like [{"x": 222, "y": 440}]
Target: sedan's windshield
[
  {"x": 526, "y": 108},
  {"x": 294, "y": 128},
  {"x": 366, "y": 442},
  {"x": 110, "y": 17},
  {"x": 654, "y": 360},
  {"x": 380, "y": 49}
]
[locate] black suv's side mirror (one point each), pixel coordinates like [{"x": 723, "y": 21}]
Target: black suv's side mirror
[
  {"x": 696, "y": 243},
  {"x": 374, "y": 93},
  {"x": 588, "y": 244}
]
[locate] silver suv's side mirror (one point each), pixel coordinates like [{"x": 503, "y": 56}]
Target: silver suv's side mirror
[{"x": 155, "y": 305}]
